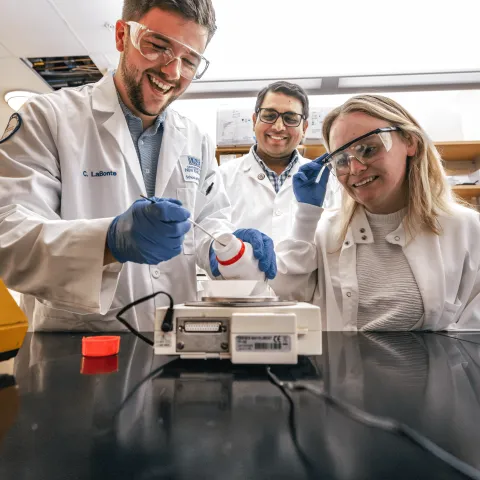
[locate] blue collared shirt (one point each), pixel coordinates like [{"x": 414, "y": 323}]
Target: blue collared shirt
[
  {"x": 147, "y": 144},
  {"x": 276, "y": 180}
]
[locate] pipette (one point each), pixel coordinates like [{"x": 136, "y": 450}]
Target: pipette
[
  {"x": 320, "y": 172},
  {"x": 195, "y": 224}
]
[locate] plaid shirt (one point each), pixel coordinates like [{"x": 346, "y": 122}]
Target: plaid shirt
[{"x": 276, "y": 180}]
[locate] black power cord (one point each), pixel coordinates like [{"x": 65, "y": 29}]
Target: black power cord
[
  {"x": 167, "y": 324},
  {"x": 154, "y": 373},
  {"x": 383, "y": 423},
  {"x": 292, "y": 425}
]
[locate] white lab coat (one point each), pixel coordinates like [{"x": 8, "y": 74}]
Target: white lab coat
[
  {"x": 255, "y": 204},
  {"x": 55, "y": 209},
  {"x": 446, "y": 267}
]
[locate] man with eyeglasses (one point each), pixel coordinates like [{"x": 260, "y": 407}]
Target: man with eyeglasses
[
  {"x": 74, "y": 235},
  {"x": 259, "y": 184}
]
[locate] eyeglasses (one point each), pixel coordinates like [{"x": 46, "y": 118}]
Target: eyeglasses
[
  {"x": 367, "y": 149},
  {"x": 157, "y": 47},
  {"x": 289, "y": 119}
]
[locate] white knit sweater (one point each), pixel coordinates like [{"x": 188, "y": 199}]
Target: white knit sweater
[{"x": 389, "y": 298}]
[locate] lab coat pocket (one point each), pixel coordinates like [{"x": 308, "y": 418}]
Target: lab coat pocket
[{"x": 187, "y": 197}]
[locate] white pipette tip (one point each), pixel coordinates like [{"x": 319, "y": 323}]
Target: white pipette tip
[
  {"x": 195, "y": 224},
  {"x": 320, "y": 173}
]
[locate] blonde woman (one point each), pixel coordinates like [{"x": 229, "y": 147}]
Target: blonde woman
[{"x": 400, "y": 253}]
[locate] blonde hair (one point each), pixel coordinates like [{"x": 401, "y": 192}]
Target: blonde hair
[{"x": 429, "y": 193}]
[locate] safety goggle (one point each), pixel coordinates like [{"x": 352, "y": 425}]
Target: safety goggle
[
  {"x": 269, "y": 115},
  {"x": 159, "y": 48},
  {"x": 367, "y": 149}
]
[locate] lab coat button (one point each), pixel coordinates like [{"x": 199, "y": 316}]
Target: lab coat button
[
  {"x": 156, "y": 273},
  {"x": 349, "y": 294},
  {"x": 261, "y": 176},
  {"x": 362, "y": 230},
  {"x": 364, "y": 237},
  {"x": 397, "y": 239},
  {"x": 278, "y": 213},
  {"x": 347, "y": 243}
]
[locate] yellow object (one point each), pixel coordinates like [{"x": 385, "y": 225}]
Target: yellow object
[{"x": 13, "y": 322}]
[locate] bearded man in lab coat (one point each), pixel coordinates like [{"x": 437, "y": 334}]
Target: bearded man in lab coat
[{"x": 74, "y": 237}]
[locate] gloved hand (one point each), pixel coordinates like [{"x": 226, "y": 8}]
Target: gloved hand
[
  {"x": 149, "y": 232},
  {"x": 304, "y": 186},
  {"x": 214, "y": 262},
  {"x": 263, "y": 251}
]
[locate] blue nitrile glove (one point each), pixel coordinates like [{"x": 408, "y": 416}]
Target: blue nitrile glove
[
  {"x": 263, "y": 250},
  {"x": 304, "y": 186},
  {"x": 214, "y": 262},
  {"x": 149, "y": 232}
]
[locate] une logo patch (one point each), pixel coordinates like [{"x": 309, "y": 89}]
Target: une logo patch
[
  {"x": 191, "y": 168},
  {"x": 194, "y": 162}
]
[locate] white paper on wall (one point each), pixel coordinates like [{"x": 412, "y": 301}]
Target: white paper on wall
[
  {"x": 234, "y": 127},
  {"x": 315, "y": 124}
]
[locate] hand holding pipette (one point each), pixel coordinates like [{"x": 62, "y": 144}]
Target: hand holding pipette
[
  {"x": 310, "y": 183},
  {"x": 192, "y": 222},
  {"x": 147, "y": 233}
]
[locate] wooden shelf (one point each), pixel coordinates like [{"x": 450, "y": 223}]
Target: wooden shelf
[
  {"x": 467, "y": 191},
  {"x": 459, "y": 151},
  {"x": 308, "y": 151},
  {"x": 450, "y": 151},
  {"x": 228, "y": 150}
]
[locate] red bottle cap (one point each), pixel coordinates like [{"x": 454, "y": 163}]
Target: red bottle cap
[{"x": 102, "y": 346}]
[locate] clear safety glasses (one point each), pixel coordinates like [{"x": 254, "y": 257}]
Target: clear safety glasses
[
  {"x": 159, "y": 48},
  {"x": 367, "y": 149},
  {"x": 269, "y": 115}
]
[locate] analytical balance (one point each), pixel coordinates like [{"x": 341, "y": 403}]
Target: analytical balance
[{"x": 251, "y": 329}]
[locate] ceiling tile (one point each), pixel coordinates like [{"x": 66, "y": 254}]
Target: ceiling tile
[
  {"x": 44, "y": 32},
  {"x": 17, "y": 76},
  {"x": 87, "y": 18},
  {"x": 4, "y": 52}
]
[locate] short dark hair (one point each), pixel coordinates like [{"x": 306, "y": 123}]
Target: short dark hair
[
  {"x": 287, "y": 88},
  {"x": 200, "y": 11}
]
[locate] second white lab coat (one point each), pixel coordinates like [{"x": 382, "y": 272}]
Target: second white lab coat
[
  {"x": 446, "y": 267},
  {"x": 255, "y": 204},
  {"x": 67, "y": 172}
]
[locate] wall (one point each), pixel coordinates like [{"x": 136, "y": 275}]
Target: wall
[{"x": 447, "y": 116}]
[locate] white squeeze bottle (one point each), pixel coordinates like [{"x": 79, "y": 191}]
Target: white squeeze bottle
[{"x": 236, "y": 260}]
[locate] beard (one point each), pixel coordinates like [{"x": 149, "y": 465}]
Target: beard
[{"x": 134, "y": 90}]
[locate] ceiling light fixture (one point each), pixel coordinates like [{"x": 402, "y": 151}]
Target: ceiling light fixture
[{"x": 17, "y": 98}]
